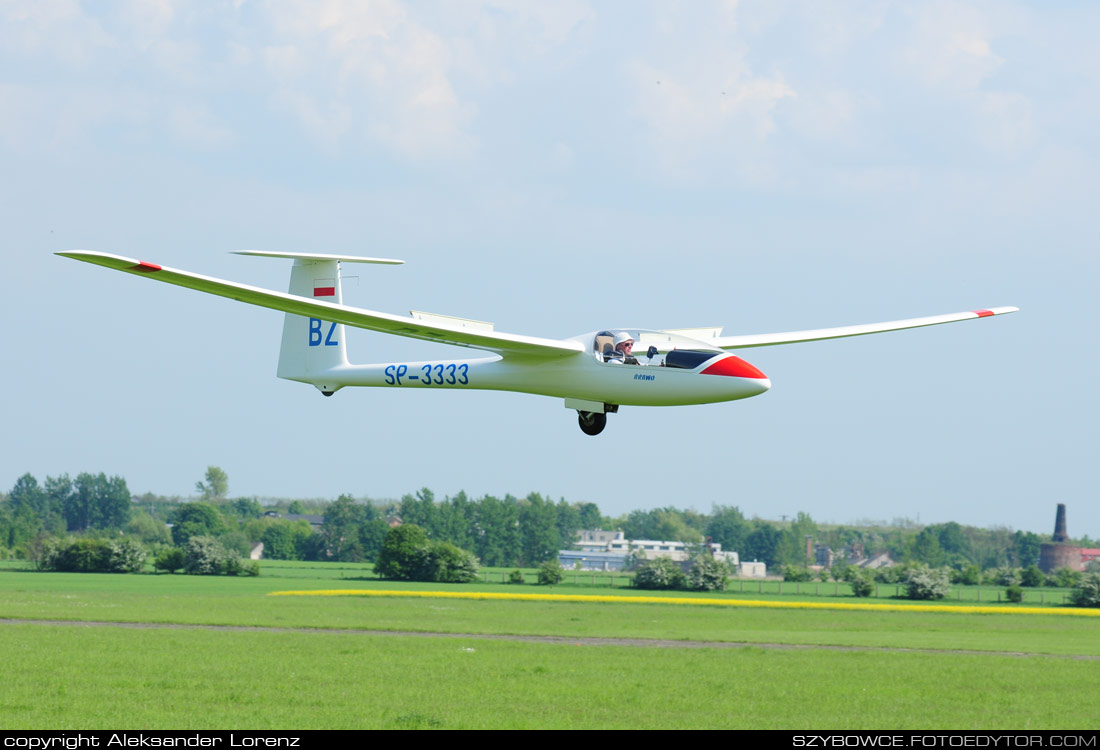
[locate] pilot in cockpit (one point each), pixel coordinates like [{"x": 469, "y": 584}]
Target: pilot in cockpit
[{"x": 624, "y": 349}]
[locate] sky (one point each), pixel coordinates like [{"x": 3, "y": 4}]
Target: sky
[{"x": 556, "y": 168}]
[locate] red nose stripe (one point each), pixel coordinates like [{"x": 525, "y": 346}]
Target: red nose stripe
[{"x": 734, "y": 367}]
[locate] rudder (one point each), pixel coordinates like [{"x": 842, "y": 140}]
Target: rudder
[{"x": 313, "y": 349}]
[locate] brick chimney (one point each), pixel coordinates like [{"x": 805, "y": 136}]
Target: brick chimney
[{"x": 1060, "y": 534}]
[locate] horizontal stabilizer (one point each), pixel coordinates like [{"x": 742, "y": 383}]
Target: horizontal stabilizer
[{"x": 318, "y": 256}]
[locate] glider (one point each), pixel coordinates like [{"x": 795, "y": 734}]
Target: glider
[{"x": 595, "y": 373}]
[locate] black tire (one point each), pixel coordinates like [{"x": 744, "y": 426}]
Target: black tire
[{"x": 592, "y": 423}]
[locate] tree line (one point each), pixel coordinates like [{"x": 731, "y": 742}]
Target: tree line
[{"x": 500, "y": 531}]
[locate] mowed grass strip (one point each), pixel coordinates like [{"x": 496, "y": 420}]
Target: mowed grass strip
[
  {"x": 213, "y": 600},
  {"x": 697, "y": 601},
  {"x": 107, "y": 678}
]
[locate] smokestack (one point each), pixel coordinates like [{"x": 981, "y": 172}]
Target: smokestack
[
  {"x": 809, "y": 550},
  {"x": 1060, "y": 534}
]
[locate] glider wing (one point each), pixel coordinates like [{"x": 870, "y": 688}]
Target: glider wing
[
  {"x": 797, "y": 337},
  {"x": 428, "y": 328}
]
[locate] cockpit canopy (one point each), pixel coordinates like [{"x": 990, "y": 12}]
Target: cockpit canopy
[{"x": 672, "y": 349}]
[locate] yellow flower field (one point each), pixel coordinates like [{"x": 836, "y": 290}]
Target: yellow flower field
[{"x": 583, "y": 598}]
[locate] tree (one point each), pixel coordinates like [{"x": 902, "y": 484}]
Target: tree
[
  {"x": 408, "y": 554},
  {"x": 762, "y": 543},
  {"x": 404, "y": 553},
  {"x": 245, "y": 507},
  {"x": 195, "y": 519},
  {"x": 280, "y": 542},
  {"x": 216, "y": 485},
  {"x": 1025, "y": 548},
  {"x": 728, "y": 527},
  {"x": 94, "y": 502},
  {"x": 341, "y": 530},
  {"x": 538, "y": 519},
  {"x": 496, "y": 537},
  {"x": 371, "y": 536}
]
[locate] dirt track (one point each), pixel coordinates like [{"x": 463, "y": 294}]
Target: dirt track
[{"x": 551, "y": 639}]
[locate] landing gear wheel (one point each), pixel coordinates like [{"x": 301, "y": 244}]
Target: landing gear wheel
[{"x": 592, "y": 423}]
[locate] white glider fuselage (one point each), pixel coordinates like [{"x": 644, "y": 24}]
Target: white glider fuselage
[{"x": 578, "y": 377}]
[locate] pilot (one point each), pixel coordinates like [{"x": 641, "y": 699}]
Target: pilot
[{"x": 624, "y": 349}]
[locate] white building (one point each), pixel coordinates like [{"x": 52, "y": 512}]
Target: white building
[{"x": 608, "y": 550}]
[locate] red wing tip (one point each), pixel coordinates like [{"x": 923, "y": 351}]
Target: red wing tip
[
  {"x": 984, "y": 313},
  {"x": 143, "y": 267}
]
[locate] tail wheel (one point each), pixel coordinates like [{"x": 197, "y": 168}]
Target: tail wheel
[{"x": 592, "y": 423}]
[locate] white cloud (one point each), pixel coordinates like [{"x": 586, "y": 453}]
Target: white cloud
[
  {"x": 949, "y": 47},
  {"x": 196, "y": 125},
  {"x": 53, "y": 29},
  {"x": 374, "y": 70},
  {"x": 707, "y": 105}
]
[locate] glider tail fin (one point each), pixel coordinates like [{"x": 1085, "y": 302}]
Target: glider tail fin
[{"x": 314, "y": 349}]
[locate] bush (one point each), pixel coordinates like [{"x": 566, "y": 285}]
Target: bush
[
  {"x": 408, "y": 555},
  {"x": 550, "y": 573},
  {"x": 86, "y": 555},
  {"x": 232, "y": 564},
  {"x": 971, "y": 575},
  {"x": 1032, "y": 577},
  {"x": 1087, "y": 593},
  {"x": 1014, "y": 593},
  {"x": 1007, "y": 576},
  {"x": 447, "y": 563},
  {"x": 707, "y": 574},
  {"x": 204, "y": 556},
  {"x": 797, "y": 574},
  {"x": 661, "y": 573},
  {"x": 516, "y": 576},
  {"x": 124, "y": 556},
  {"x": 924, "y": 582},
  {"x": 1067, "y": 578},
  {"x": 860, "y": 581},
  {"x": 170, "y": 559}
]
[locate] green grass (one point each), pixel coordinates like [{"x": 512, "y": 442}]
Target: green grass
[
  {"x": 78, "y": 677},
  {"x": 185, "y": 679}
]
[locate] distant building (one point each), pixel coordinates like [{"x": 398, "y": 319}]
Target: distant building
[
  {"x": 1058, "y": 553},
  {"x": 610, "y": 550}
]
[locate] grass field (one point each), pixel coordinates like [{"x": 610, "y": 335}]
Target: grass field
[{"x": 972, "y": 671}]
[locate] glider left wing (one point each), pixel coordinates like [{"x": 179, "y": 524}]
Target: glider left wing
[{"x": 434, "y": 328}]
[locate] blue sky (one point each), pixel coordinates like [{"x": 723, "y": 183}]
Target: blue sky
[{"x": 556, "y": 168}]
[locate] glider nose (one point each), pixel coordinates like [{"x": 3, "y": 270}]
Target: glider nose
[{"x": 749, "y": 377}]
